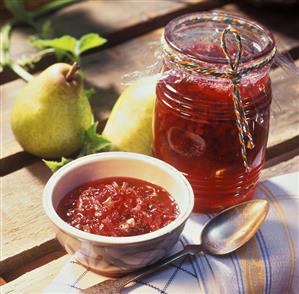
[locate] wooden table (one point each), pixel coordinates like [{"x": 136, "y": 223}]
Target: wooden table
[{"x": 31, "y": 256}]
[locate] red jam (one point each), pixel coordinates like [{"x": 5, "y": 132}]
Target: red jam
[
  {"x": 205, "y": 145},
  {"x": 195, "y": 123},
  {"x": 118, "y": 206}
]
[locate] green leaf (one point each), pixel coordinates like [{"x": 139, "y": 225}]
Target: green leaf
[
  {"x": 89, "y": 92},
  {"x": 93, "y": 142},
  {"x": 68, "y": 45},
  {"x": 46, "y": 30},
  {"x": 61, "y": 55},
  {"x": 17, "y": 8},
  {"x": 89, "y": 41},
  {"x": 56, "y": 165},
  {"x": 65, "y": 43},
  {"x": 50, "y": 6}
]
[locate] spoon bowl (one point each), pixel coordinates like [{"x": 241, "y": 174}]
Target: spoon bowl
[{"x": 233, "y": 227}]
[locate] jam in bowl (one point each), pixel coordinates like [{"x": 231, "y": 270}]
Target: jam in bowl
[
  {"x": 119, "y": 246},
  {"x": 118, "y": 207}
]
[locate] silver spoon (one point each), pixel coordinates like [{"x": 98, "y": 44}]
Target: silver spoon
[{"x": 223, "y": 234}]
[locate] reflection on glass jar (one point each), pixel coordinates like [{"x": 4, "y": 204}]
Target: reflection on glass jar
[{"x": 195, "y": 121}]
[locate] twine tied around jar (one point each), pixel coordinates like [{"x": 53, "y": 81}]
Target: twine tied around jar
[
  {"x": 234, "y": 74},
  {"x": 245, "y": 136}
]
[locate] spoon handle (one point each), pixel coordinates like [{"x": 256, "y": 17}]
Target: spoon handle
[{"x": 115, "y": 286}]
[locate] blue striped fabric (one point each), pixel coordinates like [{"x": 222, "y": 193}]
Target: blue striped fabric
[{"x": 267, "y": 264}]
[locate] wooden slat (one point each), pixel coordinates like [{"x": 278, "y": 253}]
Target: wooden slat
[
  {"x": 8, "y": 93},
  {"x": 37, "y": 262},
  {"x": 284, "y": 110},
  {"x": 281, "y": 167},
  {"x": 21, "y": 262},
  {"x": 107, "y": 18},
  {"x": 35, "y": 281},
  {"x": 24, "y": 224},
  {"x": 117, "y": 20},
  {"x": 283, "y": 23},
  {"x": 104, "y": 17}
]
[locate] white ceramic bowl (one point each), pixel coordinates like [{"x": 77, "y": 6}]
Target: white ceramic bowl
[{"x": 114, "y": 256}]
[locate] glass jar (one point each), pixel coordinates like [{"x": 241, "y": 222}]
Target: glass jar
[{"x": 195, "y": 126}]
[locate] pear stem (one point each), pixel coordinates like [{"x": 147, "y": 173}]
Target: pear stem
[
  {"x": 21, "y": 72},
  {"x": 75, "y": 67}
]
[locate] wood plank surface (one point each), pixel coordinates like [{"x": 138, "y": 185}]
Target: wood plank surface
[
  {"x": 103, "y": 17},
  {"x": 31, "y": 234},
  {"x": 36, "y": 262},
  {"x": 36, "y": 280},
  {"x": 280, "y": 168},
  {"x": 27, "y": 183},
  {"x": 2, "y": 282},
  {"x": 109, "y": 58},
  {"x": 283, "y": 22},
  {"x": 284, "y": 123},
  {"x": 285, "y": 162},
  {"x": 24, "y": 223},
  {"x": 106, "y": 18},
  {"x": 8, "y": 93},
  {"x": 105, "y": 72}
]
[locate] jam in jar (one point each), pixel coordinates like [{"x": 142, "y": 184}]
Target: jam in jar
[{"x": 195, "y": 121}]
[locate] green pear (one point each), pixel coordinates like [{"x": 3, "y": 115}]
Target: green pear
[
  {"x": 129, "y": 126},
  {"x": 51, "y": 113}
]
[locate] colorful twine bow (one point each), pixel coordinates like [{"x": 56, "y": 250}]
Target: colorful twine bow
[
  {"x": 234, "y": 74},
  {"x": 245, "y": 137}
]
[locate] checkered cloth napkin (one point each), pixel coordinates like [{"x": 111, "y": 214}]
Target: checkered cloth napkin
[{"x": 267, "y": 264}]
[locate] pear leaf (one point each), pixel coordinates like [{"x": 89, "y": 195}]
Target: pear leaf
[
  {"x": 89, "y": 41},
  {"x": 61, "y": 54},
  {"x": 46, "y": 30},
  {"x": 68, "y": 45},
  {"x": 17, "y": 9},
  {"x": 93, "y": 142},
  {"x": 56, "y": 165},
  {"x": 65, "y": 43},
  {"x": 89, "y": 92}
]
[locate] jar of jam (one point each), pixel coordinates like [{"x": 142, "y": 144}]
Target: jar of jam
[{"x": 196, "y": 122}]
